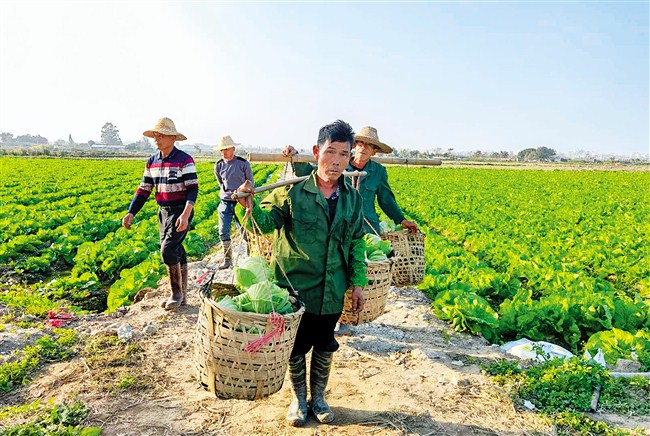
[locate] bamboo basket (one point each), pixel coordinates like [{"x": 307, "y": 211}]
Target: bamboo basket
[
  {"x": 408, "y": 267},
  {"x": 260, "y": 245},
  {"x": 374, "y": 294},
  {"x": 222, "y": 365}
]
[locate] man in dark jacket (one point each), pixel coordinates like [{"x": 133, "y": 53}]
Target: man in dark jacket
[{"x": 319, "y": 251}]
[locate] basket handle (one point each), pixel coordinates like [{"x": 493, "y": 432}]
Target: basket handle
[{"x": 206, "y": 283}]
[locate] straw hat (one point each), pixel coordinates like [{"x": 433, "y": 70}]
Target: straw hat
[
  {"x": 225, "y": 143},
  {"x": 369, "y": 134},
  {"x": 165, "y": 126}
]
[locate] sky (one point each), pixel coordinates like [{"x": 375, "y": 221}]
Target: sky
[{"x": 486, "y": 76}]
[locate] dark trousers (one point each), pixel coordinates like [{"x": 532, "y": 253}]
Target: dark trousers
[
  {"x": 316, "y": 331},
  {"x": 171, "y": 240}
]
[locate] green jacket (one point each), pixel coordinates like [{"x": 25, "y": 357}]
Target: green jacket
[
  {"x": 321, "y": 260},
  {"x": 373, "y": 185}
]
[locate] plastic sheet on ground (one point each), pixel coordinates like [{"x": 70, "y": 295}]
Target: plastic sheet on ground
[{"x": 527, "y": 349}]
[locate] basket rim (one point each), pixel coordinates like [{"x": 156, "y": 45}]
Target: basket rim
[{"x": 254, "y": 315}]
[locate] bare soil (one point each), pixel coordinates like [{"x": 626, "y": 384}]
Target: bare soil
[{"x": 405, "y": 373}]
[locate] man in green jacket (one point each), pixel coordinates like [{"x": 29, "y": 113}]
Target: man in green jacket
[
  {"x": 374, "y": 185},
  {"x": 319, "y": 251}
]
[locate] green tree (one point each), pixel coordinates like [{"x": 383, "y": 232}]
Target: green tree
[
  {"x": 6, "y": 137},
  {"x": 546, "y": 153},
  {"x": 31, "y": 139},
  {"x": 110, "y": 135},
  {"x": 527, "y": 154}
]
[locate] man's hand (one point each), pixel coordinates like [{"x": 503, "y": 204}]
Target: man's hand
[
  {"x": 357, "y": 299},
  {"x": 246, "y": 202},
  {"x": 181, "y": 223},
  {"x": 289, "y": 151},
  {"x": 410, "y": 225},
  {"x": 127, "y": 220}
]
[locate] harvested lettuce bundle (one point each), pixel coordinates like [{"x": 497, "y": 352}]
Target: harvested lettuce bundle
[
  {"x": 229, "y": 303},
  {"x": 250, "y": 271},
  {"x": 244, "y": 302},
  {"x": 261, "y": 294},
  {"x": 377, "y": 256},
  {"x": 389, "y": 226},
  {"x": 374, "y": 244}
]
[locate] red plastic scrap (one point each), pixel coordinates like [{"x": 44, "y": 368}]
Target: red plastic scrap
[{"x": 60, "y": 318}]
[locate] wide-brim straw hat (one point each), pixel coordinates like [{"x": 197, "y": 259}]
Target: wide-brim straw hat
[
  {"x": 165, "y": 126},
  {"x": 369, "y": 134},
  {"x": 226, "y": 142}
]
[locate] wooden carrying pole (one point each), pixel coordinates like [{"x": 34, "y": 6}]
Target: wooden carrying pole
[
  {"x": 270, "y": 186},
  {"x": 276, "y": 157}
]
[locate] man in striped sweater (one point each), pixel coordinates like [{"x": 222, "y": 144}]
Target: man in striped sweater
[{"x": 173, "y": 174}]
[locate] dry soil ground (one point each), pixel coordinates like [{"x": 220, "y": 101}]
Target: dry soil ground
[{"x": 404, "y": 373}]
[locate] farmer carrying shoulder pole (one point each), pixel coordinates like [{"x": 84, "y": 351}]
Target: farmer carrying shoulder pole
[
  {"x": 172, "y": 172},
  {"x": 374, "y": 185},
  {"x": 319, "y": 246},
  {"x": 231, "y": 171}
]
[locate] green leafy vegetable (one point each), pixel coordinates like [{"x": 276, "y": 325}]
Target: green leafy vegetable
[{"x": 251, "y": 271}]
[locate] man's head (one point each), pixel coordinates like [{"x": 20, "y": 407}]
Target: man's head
[
  {"x": 227, "y": 147},
  {"x": 338, "y": 131},
  {"x": 333, "y": 149},
  {"x": 368, "y": 139},
  {"x": 165, "y": 134}
]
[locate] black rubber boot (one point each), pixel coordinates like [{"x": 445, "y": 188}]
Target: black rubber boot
[
  {"x": 176, "y": 283},
  {"x": 321, "y": 362},
  {"x": 297, "y": 414},
  {"x": 184, "y": 283}
]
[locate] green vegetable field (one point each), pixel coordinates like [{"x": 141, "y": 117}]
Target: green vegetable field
[
  {"x": 561, "y": 256},
  {"x": 61, "y": 236}
]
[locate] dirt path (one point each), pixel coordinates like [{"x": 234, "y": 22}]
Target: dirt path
[{"x": 405, "y": 373}]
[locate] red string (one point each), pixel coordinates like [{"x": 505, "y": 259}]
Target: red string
[
  {"x": 200, "y": 279},
  {"x": 277, "y": 321}
]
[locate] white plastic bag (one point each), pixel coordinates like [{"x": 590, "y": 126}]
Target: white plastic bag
[{"x": 526, "y": 349}]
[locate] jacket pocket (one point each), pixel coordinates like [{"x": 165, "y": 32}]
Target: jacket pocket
[{"x": 305, "y": 228}]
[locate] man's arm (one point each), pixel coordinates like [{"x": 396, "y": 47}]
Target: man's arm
[
  {"x": 388, "y": 203},
  {"x": 269, "y": 215},
  {"x": 248, "y": 173},
  {"x": 191, "y": 181},
  {"x": 141, "y": 195}
]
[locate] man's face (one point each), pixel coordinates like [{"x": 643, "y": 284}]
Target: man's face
[
  {"x": 164, "y": 142},
  {"x": 228, "y": 153},
  {"x": 333, "y": 158},
  {"x": 364, "y": 150}
]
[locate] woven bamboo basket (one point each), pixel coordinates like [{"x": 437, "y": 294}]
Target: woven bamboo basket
[
  {"x": 260, "y": 245},
  {"x": 374, "y": 294},
  {"x": 222, "y": 365},
  {"x": 408, "y": 267}
]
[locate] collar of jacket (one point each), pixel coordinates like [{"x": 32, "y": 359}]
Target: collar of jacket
[{"x": 311, "y": 185}]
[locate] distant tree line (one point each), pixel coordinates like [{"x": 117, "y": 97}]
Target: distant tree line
[
  {"x": 536, "y": 154},
  {"x": 109, "y": 135}
]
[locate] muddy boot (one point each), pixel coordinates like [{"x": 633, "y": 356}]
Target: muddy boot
[
  {"x": 321, "y": 362},
  {"x": 184, "y": 283},
  {"x": 176, "y": 283},
  {"x": 297, "y": 414},
  {"x": 227, "y": 255}
]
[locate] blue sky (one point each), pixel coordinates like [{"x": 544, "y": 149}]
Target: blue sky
[{"x": 468, "y": 76}]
